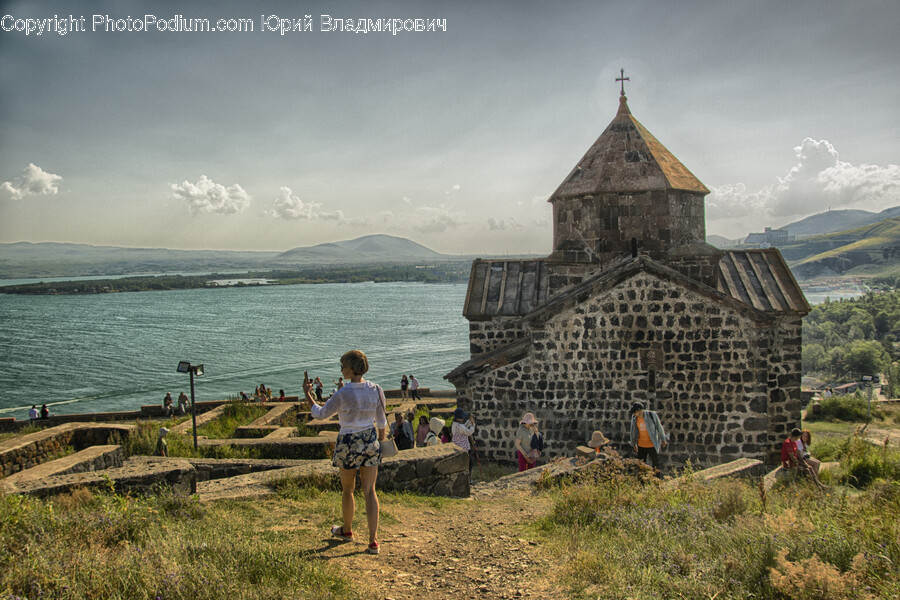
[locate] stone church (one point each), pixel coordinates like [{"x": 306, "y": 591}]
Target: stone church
[{"x": 634, "y": 305}]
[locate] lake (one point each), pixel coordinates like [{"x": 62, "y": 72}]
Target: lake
[{"x": 114, "y": 352}]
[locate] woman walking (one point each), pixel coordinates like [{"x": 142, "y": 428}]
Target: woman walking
[
  {"x": 360, "y": 407},
  {"x": 526, "y": 451}
]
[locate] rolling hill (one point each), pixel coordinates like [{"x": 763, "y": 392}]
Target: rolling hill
[
  {"x": 370, "y": 248},
  {"x": 50, "y": 259},
  {"x": 872, "y": 248},
  {"x": 838, "y": 220}
]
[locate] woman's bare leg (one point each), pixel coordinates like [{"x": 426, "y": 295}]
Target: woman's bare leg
[
  {"x": 348, "y": 504},
  {"x": 367, "y": 477}
]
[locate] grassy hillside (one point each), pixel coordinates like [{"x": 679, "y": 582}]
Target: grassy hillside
[{"x": 875, "y": 248}]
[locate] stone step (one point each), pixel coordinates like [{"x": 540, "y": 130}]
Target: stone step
[
  {"x": 26, "y": 451},
  {"x": 293, "y": 448},
  {"x": 441, "y": 470},
  {"x": 278, "y": 411},
  {"x": 186, "y": 427},
  {"x": 139, "y": 474},
  {"x": 95, "y": 458},
  {"x": 742, "y": 467},
  {"x": 281, "y": 433}
]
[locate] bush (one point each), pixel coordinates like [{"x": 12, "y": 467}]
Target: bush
[
  {"x": 844, "y": 408},
  {"x": 863, "y": 463}
]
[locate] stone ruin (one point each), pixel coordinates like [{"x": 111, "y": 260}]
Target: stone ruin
[{"x": 28, "y": 464}]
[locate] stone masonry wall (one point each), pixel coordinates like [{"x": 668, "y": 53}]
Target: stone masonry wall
[
  {"x": 485, "y": 336},
  {"x": 710, "y": 371},
  {"x": 24, "y": 452},
  {"x": 604, "y": 224}
]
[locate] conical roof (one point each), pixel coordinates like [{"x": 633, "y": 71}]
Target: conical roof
[{"x": 627, "y": 158}]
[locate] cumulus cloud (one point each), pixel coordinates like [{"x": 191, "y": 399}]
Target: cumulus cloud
[
  {"x": 288, "y": 206},
  {"x": 34, "y": 181},
  {"x": 817, "y": 180},
  {"x": 436, "y": 219},
  {"x": 424, "y": 219},
  {"x": 207, "y": 196},
  {"x": 291, "y": 207},
  {"x": 452, "y": 191},
  {"x": 504, "y": 224}
]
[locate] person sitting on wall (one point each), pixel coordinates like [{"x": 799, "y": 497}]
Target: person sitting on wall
[
  {"x": 281, "y": 396},
  {"x": 45, "y": 412},
  {"x": 647, "y": 434},
  {"x": 33, "y": 414},
  {"x": 803, "y": 450},
  {"x": 401, "y": 432},
  {"x": 182, "y": 403},
  {"x": 167, "y": 405},
  {"x": 598, "y": 442},
  {"x": 792, "y": 460}
]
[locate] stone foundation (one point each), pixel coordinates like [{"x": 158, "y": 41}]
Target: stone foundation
[
  {"x": 26, "y": 451},
  {"x": 438, "y": 470},
  {"x": 143, "y": 475}
]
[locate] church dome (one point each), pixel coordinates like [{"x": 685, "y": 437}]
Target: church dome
[{"x": 627, "y": 158}]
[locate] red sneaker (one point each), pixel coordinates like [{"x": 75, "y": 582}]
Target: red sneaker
[{"x": 373, "y": 548}]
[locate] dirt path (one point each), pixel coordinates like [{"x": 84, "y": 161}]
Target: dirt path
[
  {"x": 476, "y": 550},
  {"x": 877, "y": 436}
]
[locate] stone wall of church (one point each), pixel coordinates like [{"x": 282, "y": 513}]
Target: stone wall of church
[
  {"x": 785, "y": 370},
  {"x": 490, "y": 334},
  {"x": 600, "y": 228},
  {"x": 720, "y": 380}
]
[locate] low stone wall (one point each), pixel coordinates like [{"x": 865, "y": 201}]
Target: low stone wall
[
  {"x": 742, "y": 467},
  {"x": 95, "y": 458},
  {"x": 187, "y": 426},
  {"x": 441, "y": 470},
  {"x": 221, "y": 468},
  {"x": 308, "y": 448},
  {"x": 26, "y": 451},
  {"x": 282, "y": 433},
  {"x": 143, "y": 475}
]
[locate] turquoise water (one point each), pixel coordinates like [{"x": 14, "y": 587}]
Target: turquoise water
[{"x": 105, "y": 352}]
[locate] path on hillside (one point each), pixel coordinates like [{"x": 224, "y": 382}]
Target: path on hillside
[
  {"x": 473, "y": 551},
  {"x": 877, "y": 436}
]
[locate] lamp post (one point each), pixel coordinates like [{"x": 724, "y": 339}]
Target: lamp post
[{"x": 186, "y": 367}]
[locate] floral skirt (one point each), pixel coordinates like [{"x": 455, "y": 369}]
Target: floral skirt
[{"x": 355, "y": 450}]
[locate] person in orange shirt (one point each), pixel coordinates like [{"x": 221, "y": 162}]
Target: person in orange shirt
[{"x": 647, "y": 434}]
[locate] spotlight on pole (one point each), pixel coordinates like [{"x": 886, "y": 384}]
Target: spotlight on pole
[{"x": 194, "y": 370}]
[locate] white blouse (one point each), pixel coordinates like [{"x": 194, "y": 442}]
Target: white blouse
[{"x": 359, "y": 406}]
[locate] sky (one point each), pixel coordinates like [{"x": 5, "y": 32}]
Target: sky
[{"x": 270, "y": 140}]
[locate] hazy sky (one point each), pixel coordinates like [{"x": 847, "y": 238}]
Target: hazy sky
[{"x": 454, "y": 139}]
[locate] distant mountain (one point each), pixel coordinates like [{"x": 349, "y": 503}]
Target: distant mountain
[
  {"x": 49, "y": 259},
  {"x": 838, "y": 220},
  {"x": 370, "y": 248},
  {"x": 721, "y": 242}
]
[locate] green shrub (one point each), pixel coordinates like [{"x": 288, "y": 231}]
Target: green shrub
[{"x": 853, "y": 407}]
